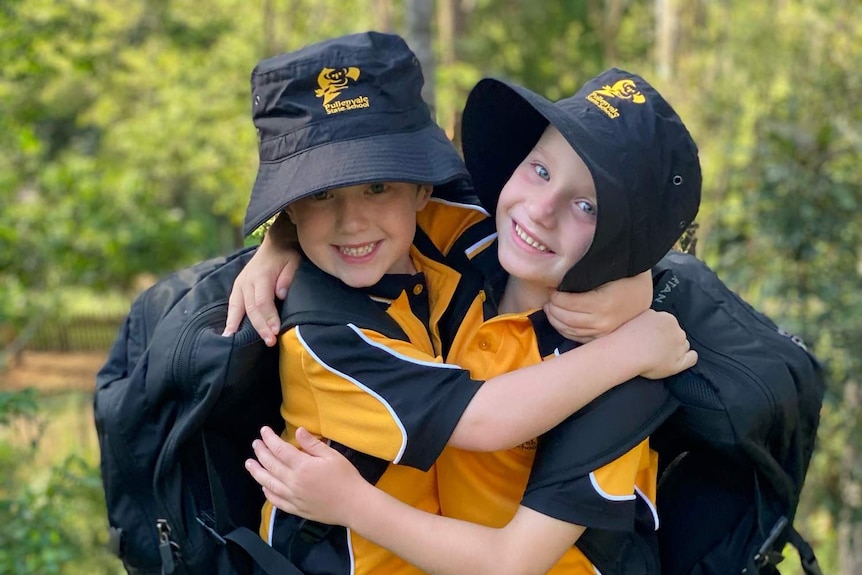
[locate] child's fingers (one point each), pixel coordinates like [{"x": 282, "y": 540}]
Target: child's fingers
[
  {"x": 312, "y": 445},
  {"x": 284, "y": 453},
  {"x": 259, "y": 306},
  {"x": 567, "y": 317},
  {"x": 235, "y": 312},
  {"x": 276, "y": 492},
  {"x": 690, "y": 359},
  {"x": 281, "y": 502},
  {"x": 264, "y": 478},
  {"x": 570, "y": 325},
  {"x": 285, "y": 277},
  {"x": 279, "y": 466},
  {"x": 574, "y": 302},
  {"x": 265, "y": 291}
]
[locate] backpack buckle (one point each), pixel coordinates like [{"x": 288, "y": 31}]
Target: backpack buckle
[
  {"x": 215, "y": 534},
  {"x": 167, "y": 548},
  {"x": 766, "y": 555}
]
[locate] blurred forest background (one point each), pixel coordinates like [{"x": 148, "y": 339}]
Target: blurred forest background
[{"x": 127, "y": 151}]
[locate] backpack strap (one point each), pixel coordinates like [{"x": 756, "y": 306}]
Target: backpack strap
[
  {"x": 318, "y": 298},
  {"x": 271, "y": 561},
  {"x": 806, "y": 554}
]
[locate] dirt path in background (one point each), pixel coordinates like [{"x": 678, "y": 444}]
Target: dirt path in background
[{"x": 53, "y": 371}]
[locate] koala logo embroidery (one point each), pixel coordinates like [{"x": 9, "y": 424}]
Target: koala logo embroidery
[
  {"x": 624, "y": 89},
  {"x": 621, "y": 90},
  {"x": 332, "y": 81}
]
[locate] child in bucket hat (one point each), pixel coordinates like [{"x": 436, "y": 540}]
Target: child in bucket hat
[
  {"x": 595, "y": 187},
  {"x": 394, "y": 399}
]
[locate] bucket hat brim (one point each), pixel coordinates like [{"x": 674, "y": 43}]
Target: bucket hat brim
[{"x": 424, "y": 156}]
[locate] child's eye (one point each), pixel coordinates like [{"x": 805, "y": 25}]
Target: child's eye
[
  {"x": 320, "y": 196},
  {"x": 542, "y": 171},
  {"x": 377, "y": 188},
  {"x": 586, "y": 207}
]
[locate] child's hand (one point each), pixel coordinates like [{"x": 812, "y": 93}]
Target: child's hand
[
  {"x": 657, "y": 340},
  {"x": 317, "y": 483},
  {"x": 268, "y": 274},
  {"x": 583, "y": 317}
]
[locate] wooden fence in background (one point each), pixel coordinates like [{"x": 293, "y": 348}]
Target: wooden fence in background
[{"x": 83, "y": 333}]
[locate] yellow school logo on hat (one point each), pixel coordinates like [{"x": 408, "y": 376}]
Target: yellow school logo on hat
[
  {"x": 332, "y": 82},
  {"x": 621, "y": 90}
]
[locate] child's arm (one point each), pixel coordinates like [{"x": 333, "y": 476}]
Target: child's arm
[
  {"x": 599, "y": 365},
  {"x": 319, "y": 484},
  {"x": 267, "y": 275},
  {"x": 583, "y": 317},
  {"x": 414, "y": 405},
  {"x": 522, "y": 404}
]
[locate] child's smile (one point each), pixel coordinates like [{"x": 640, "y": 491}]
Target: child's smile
[
  {"x": 359, "y": 233},
  {"x": 359, "y": 252},
  {"x": 529, "y": 239}
]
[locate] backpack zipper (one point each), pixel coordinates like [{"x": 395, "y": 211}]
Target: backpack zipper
[
  {"x": 212, "y": 315},
  {"x": 180, "y": 364},
  {"x": 732, "y": 365},
  {"x": 168, "y": 549}
]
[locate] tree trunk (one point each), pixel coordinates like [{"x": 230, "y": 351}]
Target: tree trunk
[
  {"x": 418, "y": 15},
  {"x": 382, "y": 10},
  {"x": 665, "y": 38},
  {"x": 850, "y": 515},
  {"x": 605, "y": 17},
  {"x": 269, "y": 30},
  {"x": 446, "y": 34}
]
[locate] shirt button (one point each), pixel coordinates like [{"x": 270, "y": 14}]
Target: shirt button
[
  {"x": 483, "y": 344},
  {"x": 417, "y": 289}
]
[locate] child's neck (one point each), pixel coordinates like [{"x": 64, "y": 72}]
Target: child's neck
[{"x": 520, "y": 296}]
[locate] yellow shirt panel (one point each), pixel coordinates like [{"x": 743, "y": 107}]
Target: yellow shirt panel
[
  {"x": 616, "y": 477},
  {"x": 445, "y": 221},
  {"x": 487, "y": 488}
]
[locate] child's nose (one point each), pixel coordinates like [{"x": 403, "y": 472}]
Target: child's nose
[
  {"x": 353, "y": 215},
  {"x": 542, "y": 208}
]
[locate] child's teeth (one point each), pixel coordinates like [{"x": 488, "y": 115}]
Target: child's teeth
[
  {"x": 357, "y": 252},
  {"x": 523, "y": 235}
]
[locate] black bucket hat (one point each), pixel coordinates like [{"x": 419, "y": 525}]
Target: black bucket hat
[
  {"x": 643, "y": 161},
  {"x": 343, "y": 112}
]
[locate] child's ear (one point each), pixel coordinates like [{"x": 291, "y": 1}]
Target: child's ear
[
  {"x": 288, "y": 211},
  {"x": 423, "y": 193}
]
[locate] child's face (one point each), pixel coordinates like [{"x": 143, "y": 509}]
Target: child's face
[
  {"x": 359, "y": 233},
  {"x": 546, "y": 214}
]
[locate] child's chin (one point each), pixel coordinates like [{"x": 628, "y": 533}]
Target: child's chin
[
  {"x": 529, "y": 275},
  {"x": 359, "y": 282}
]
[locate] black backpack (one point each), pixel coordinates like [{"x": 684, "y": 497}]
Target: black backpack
[
  {"x": 734, "y": 435},
  {"x": 734, "y": 455},
  {"x": 177, "y": 406}
]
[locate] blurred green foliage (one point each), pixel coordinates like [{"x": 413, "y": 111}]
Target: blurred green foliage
[
  {"x": 126, "y": 148},
  {"x": 52, "y": 518}
]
